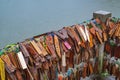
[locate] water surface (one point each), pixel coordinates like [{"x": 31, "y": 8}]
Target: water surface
[{"x": 21, "y": 19}]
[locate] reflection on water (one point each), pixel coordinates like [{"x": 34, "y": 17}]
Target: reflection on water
[{"x": 21, "y": 19}]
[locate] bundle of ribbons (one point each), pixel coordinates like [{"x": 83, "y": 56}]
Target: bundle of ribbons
[{"x": 77, "y": 52}]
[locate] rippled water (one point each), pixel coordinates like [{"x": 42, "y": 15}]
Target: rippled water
[{"x": 21, "y": 19}]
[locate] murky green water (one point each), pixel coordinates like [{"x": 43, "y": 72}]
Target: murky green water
[{"x": 21, "y": 19}]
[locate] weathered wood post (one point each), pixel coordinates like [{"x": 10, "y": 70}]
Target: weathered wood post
[{"x": 102, "y": 15}]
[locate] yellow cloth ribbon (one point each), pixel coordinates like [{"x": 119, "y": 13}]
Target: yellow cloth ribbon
[{"x": 2, "y": 70}]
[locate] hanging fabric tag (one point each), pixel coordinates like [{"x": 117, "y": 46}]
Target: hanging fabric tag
[
  {"x": 83, "y": 33},
  {"x": 44, "y": 52},
  {"x": 62, "y": 34},
  {"x": 67, "y": 45},
  {"x": 99, "y": 38},
  {"x": 36, "y": 47},
  {"x": 63, "y": 59},
  {"x": 60, "y": 77},
  {"x": 87, "y": 33},
  {"x": 91, "y": 40},
  {"x": 57, "y": 46},
  {"x": 22, "y": 60}
]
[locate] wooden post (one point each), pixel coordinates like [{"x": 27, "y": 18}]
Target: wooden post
[
  {"x": 101, "y": 57},
  {"x": 102, "y": 15}
]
